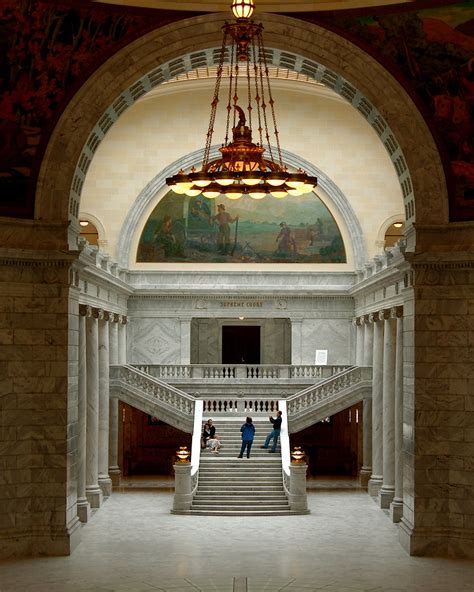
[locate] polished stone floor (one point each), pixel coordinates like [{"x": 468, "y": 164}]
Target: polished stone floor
[{"x": 134, "y": 544}]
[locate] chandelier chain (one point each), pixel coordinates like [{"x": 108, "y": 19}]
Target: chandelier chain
[
  {"x": 271, "y": 101},
  {"x": 257, "y": 96},
  {"x": 215, "y": 102},
  {"x": 229, "y": 99},
  {"x": 262, "y": 91}
]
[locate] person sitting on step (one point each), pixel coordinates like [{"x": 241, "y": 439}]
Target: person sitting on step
[{"x": 214, "y": 444}]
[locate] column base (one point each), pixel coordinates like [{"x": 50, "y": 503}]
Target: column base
[
  {"x": 83, "y": 509},
  {"x": 386, "y": 495},
  {"x": 374, "y": 485},
  {"x": 115, "y": 474},
  {"x": 94, "y": 496},
  {"x": 364, "y": 476},
  {"x": 396, "y": 509},
  {"x": 105, "y": 484},
  {"x": 34, "y": 541}
]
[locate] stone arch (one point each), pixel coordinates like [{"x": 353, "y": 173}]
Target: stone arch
[
  {"x": 379, "y": 97},
  {"x": 144, "y": 199}
]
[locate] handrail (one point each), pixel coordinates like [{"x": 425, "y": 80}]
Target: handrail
[
  {"x": 196, "y": 439},
  {"x": 284, "y": 439}
]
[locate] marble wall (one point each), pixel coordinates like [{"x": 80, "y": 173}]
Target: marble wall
[{"x": 154, "y": 341}]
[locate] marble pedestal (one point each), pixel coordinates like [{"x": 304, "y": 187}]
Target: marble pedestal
[
  {"x": 183, "y": 496},
  {"x": 297, "y": 497}
]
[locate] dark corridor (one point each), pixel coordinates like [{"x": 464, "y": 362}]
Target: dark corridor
[{"x": 240, "y": 344}]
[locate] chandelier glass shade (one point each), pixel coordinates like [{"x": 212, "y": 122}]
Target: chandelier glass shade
[{"x": 245, "y": 167}]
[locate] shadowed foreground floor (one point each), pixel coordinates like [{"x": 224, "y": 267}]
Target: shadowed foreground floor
[{"x": 134, "y": 544}]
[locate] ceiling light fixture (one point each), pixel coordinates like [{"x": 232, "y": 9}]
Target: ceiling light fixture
[
  {"x": 84, "y": 223},
  {"x": 242, "y": 169},
  {"x": 398, "y": 224}
]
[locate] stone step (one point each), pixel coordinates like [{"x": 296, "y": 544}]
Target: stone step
[
  {"x": 232, "y": 502},
  {"x": 239, "y": 512},
  {"x": 222, "y": 489},
  {"x": 240, "y": 496},
  {"x": 243, "y": 508}
]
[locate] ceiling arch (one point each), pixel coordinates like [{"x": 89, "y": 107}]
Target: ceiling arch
[{"x": 338, "y": 63}]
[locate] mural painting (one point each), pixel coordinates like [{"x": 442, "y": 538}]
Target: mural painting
[{"x": 200, "y": 230}]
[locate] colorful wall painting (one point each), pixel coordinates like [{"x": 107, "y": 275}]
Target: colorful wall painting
[{"x": 200, "y": 230}]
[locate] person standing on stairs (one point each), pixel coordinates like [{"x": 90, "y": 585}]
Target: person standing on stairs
[
  {"x": 275, "y": 433},
  {"x": 248, "y": 433}
]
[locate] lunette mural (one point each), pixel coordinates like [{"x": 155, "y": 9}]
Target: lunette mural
[{"x": 201, "y": 230}]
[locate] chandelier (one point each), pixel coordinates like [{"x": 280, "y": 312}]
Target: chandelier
[{"x": 244, "y": 167}]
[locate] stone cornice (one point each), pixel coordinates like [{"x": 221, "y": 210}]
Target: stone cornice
[
  {"x": 440, "y": 261},
  {"x": 241, "y": 296},
  {"x": 33, "y": 258}
]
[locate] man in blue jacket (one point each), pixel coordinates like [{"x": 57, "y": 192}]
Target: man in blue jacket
[
  {"x": 248, "y": 433},
  {"x": 275, "y": 433}
]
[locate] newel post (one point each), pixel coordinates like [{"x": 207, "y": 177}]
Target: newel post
[
  {"x": 297, "y": 494},
  {"x": 183, "y": 496}
]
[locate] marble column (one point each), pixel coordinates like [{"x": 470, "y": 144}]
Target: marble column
[
  {"x": 366, "y": 469},
  {"x": 185, "y": 326},
  {"x": 359, "y": 327},
  {"x": 83, "y": 506},
  {"x": 387, "y": 490},
  {"x": 114, "y": 341},
  {"x": 105, "y": 482},
  {"x": 296, "y": 341},
  {"x": 396, "y": 507},
  {"x": 93, "y": 491},
  {"x": 368, "y": 341},
  {"x": 376, "y": 479},
  {"x": 122, "y": 340},
  {"x": 114, "y": 469}
]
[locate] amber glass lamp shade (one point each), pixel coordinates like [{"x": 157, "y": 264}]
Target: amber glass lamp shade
[
  {"x": 297, "y": 455},
  {"x": 183, "y": 454},
  {"x": 242, "y": 9}
]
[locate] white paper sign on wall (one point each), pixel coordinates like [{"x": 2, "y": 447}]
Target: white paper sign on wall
[{"x": 321, "y": 358}]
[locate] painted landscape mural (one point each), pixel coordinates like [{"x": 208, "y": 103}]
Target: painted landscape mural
[{"x": 200, "y": 230}]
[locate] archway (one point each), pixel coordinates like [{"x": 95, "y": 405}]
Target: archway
[{"x": 288, "y": 36}]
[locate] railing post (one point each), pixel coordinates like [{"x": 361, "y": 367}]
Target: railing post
[
  {"x": 183, "y": 496},
  {"x": 241, "y": 371},
  {"x": 297, "y": 497}
]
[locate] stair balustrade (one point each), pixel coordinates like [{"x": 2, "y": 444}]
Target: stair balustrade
[
  {"x": 329, "y": 397},
  {"x": 153, "y": 396}
]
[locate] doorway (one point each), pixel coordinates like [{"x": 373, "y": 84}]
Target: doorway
[{"x": 240, "y": 344}]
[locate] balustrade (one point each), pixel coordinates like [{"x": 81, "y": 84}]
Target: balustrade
[
  {"x": 182, "y": 372},
  {"x": 305, "y": 400},
  {"x": 151, "y": 386},
  {"x": 241, "y": 406}
]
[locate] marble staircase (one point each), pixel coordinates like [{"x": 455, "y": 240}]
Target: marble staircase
[{"x": 239, "y": 486}]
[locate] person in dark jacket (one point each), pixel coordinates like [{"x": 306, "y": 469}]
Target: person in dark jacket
[
  {"x": 248, "y": 433},
  {"x": 275, "y": 433},
  {"x": 208, "y": 431}
]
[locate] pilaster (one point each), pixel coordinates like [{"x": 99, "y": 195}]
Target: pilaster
[{"x": 105, "y": 483}]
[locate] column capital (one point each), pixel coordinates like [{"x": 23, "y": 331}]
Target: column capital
[
  {"x": 384, "y": 314},
  {"x": 123, "y": 320},
  {"x": 358, "y": 321},
  {"x": 396, "y": 312},
  {"x": 373, "y": 317}
]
